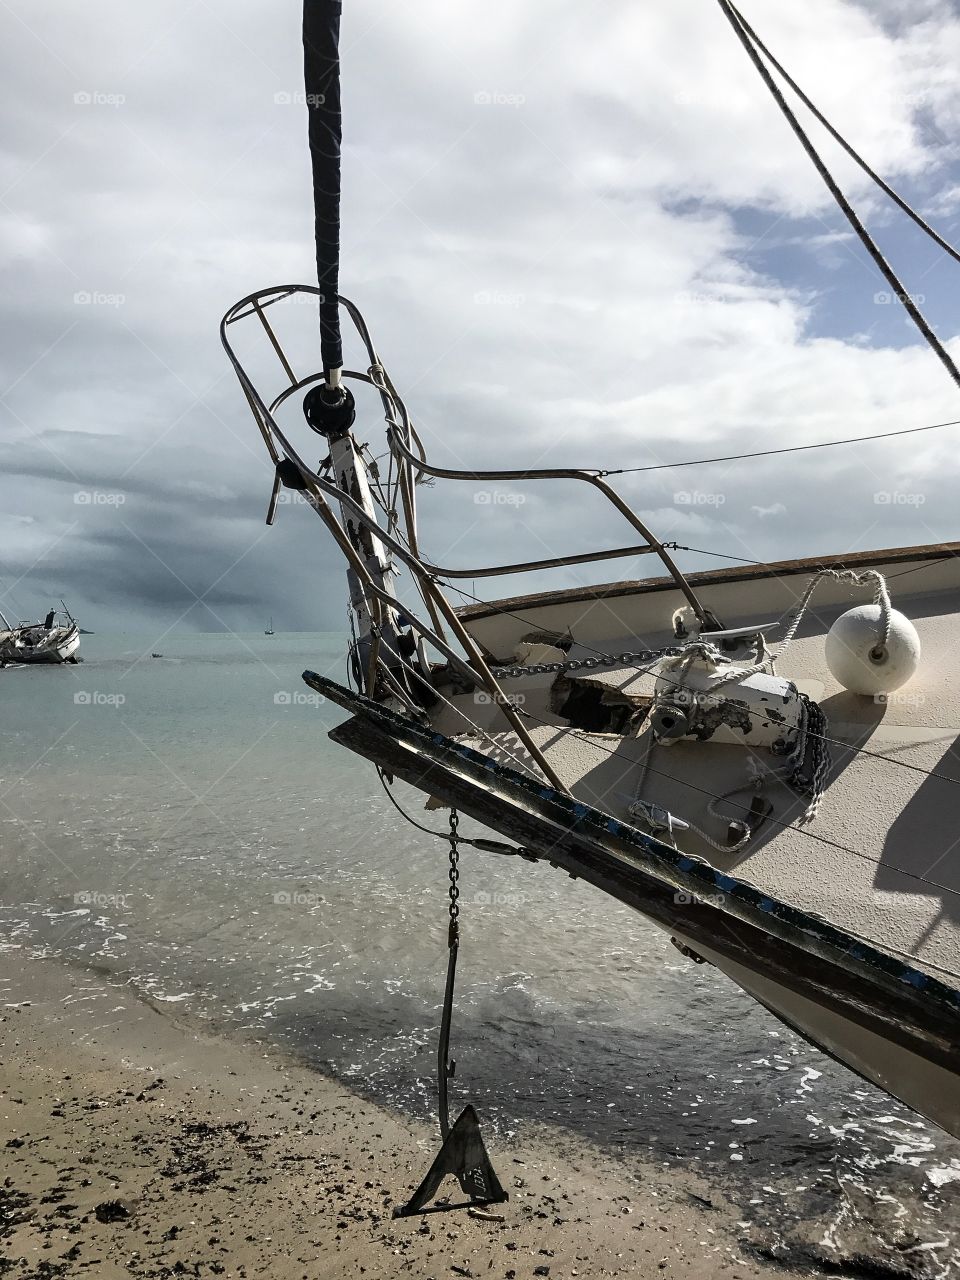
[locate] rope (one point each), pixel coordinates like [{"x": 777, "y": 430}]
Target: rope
[
  {"x": 810, "y": 762},
  {"x": 836, "y": 742},
  {"x": 881, "y": 598}
]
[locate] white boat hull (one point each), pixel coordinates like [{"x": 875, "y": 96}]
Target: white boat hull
[
  {"x": 60, "y": 650},
  {"x": 929, "y": 1089}
]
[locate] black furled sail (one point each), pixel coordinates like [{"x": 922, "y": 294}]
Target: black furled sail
[{"x": 321, "y": 49}]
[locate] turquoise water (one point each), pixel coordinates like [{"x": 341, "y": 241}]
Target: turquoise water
[{"x": 185, "y": 824}]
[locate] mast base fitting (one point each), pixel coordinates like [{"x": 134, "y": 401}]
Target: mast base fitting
[{"x": 330, "y": 412}]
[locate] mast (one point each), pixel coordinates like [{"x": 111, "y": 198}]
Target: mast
[
  {"x": 321, "y": 66},
  {"x": 329, "y": 406}
]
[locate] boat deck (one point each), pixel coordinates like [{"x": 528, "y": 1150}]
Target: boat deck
[{"x": 881, "y": 860}]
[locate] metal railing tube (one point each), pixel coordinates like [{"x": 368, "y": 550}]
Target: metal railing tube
[
  {"x": 475, "y": 656},
  {"x": 563, "y": 473}
]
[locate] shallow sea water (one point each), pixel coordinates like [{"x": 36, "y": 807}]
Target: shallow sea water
[{"x": 184, "y": 824}]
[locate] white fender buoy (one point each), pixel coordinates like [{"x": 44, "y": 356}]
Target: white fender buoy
[{"x": 859, "y": 663}]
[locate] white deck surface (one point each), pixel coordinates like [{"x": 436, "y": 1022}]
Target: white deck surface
[{"x": 882, "y": 858}]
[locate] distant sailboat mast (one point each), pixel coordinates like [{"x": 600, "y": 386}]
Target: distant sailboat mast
[{"x": 269, "y": 630}]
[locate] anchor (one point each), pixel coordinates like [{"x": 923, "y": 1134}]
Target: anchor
[{"x": 462, "y": 1152}]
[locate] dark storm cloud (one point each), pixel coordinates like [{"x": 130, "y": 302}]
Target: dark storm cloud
[{"x": 539, "y": 223}]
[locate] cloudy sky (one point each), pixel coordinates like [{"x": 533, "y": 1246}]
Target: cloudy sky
[{"x": 581, "y": 234}]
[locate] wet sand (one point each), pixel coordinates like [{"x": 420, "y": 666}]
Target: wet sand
[{"x": 135, "y": 1145}]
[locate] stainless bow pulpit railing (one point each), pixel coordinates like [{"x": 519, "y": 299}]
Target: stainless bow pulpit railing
[{"x": 390, "y": 653}]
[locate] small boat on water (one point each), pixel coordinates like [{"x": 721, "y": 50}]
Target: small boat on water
[
  {"x": 269, "y": 631},
  {"x": 55, "y": 639},
  {"x": 761, "y": 759}
]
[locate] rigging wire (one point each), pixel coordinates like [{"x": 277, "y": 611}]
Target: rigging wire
[
  {"x": 769, "y": 453},
  {"x": 846, "y": 208},
  {"x": 838, "y": 137}
]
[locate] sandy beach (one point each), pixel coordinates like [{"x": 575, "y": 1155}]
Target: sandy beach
[{"x": 134, "y": 1145}]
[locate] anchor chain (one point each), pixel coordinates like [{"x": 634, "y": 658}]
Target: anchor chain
[
  {"x": 586, "y": 664},
  {"x": 453, "y": 936}
]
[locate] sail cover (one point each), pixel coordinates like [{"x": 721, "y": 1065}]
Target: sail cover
[{"x": 321, "y": 47}]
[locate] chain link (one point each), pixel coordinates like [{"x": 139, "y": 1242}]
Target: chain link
[
  {"x": 454, "y": 878},
  {"x": 586, "y": 664}
]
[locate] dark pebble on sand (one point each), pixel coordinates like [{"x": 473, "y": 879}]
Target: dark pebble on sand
[{"x": 112, "y": 1211}]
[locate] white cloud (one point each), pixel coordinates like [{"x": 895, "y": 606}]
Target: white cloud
[{"x": 570, "y": 278}]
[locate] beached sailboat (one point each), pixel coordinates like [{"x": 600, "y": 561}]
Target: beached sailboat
[
  {"x": 55, "y": 639},
  {"x": 729, "y": 752}
]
